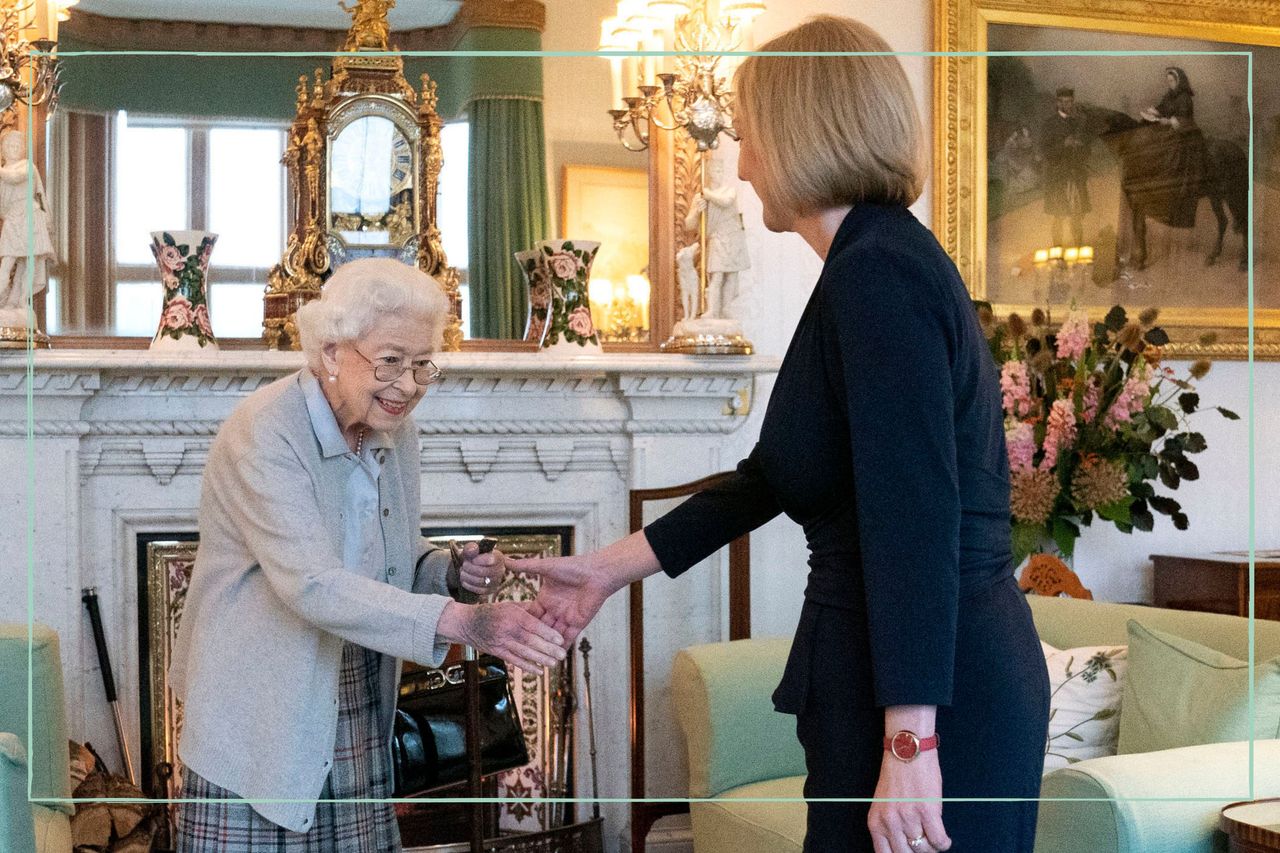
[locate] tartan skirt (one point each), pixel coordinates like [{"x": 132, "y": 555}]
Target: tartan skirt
[{"x": 361, "y": 771}]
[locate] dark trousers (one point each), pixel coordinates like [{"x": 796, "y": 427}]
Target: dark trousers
[{"x": 992, "y": 735}]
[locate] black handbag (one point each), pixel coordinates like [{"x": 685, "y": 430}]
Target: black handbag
[{"x": 428, "y": 747}]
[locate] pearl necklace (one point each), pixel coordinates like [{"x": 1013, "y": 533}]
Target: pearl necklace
[{"x": 360, "y": 441}]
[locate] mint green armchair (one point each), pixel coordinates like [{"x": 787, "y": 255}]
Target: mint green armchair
[
  {"x": 740, "y": 748},
  {"x": 26, "y": 826}
]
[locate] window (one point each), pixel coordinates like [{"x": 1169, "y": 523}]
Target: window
[
  {"x": 181, "y": 174},
  {"x": 226, "y": 177}
]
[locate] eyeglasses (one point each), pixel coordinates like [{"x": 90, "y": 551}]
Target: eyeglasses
[{"x": 424, "y": 372}]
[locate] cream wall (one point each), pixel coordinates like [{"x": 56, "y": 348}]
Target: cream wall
[{"x": 1114, "y": 565}]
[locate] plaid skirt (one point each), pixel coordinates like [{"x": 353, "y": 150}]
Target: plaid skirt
[{"x": 361, "y": 772}]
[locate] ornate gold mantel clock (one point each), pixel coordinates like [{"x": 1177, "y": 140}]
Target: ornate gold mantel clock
[{"x": 364, "y": 161}]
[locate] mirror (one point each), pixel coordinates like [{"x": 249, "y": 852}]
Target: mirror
[
  {"x": 220, "y": 125},
  {"x": 371, "y": 181}
]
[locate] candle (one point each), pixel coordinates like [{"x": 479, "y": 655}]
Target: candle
[
  {"x": 639, "y": 289},
  {"x": 615, "y": 80},
  {"x": 1042, "y": 256},
  {"x": 1086, "y": 254},
  {"x": 1071, "y": 254},
  {"x": 1055, "y": 253}
]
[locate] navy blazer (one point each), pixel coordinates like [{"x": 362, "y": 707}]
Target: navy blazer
[{"x": 884, "y": 440}]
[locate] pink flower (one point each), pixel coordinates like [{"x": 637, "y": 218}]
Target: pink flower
[
  {"x": 580, "y": 322},
  {"x": 1060, "y": 432},
  {"x": 1092, "y": 397},
  {"x": 1073, "y": 337},
  {"x": 170, "y": 258},
  {"x": 563, "y": 265},
  {"x": 202, "y": 321},
  {"x": 170, "y": 280},
  {"x": 540, "y": 294},
  {"x": 178, "y": 313},
  {"x": 1132, "y": 398},
  {"x": 205, "y": 251},
  {"x": 1015, "y": 385},
  {"x": 1021, "y": 441}
]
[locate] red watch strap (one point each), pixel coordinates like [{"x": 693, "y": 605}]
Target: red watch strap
[{"x": 906, "y": 745}]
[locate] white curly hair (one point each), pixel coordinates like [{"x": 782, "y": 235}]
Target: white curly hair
[{"x": 360, "y": 294}]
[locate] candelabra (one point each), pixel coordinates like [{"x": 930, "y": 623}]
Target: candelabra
[
  {"x": 28, "y": 70},
  {"x": 1061, "y": 273}
]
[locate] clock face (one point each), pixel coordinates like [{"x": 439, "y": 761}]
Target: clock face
[{"x": 401, "y": 163}]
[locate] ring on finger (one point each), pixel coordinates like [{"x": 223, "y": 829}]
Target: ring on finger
[{"x": 917, "y": 842}]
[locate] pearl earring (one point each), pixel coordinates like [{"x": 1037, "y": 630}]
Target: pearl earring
[{"x": 333, "y": 377}]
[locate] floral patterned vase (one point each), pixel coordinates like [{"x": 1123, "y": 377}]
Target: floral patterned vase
[
  {"x": 183, "y": 258},
  {"x": 567, "y": 265},
  {"x": 535, "y": 276}
]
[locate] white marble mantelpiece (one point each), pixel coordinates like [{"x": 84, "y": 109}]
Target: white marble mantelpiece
[{"x": 118, "y": 440}]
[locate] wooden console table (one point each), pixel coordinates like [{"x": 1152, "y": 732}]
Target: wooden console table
[
  {"x": 1219, "y": 583},
  {"x": 1252, "y": 827}
]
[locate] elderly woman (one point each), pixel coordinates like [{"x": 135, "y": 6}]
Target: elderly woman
[
  {"x": 915, "y": 673},
  {"x": 312, "y": 581}
]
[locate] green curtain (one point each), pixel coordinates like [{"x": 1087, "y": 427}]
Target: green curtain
[{"x": 508, "y": 210}]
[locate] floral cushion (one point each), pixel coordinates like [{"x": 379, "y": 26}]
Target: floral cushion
[{"x": 1084, "y": 704}]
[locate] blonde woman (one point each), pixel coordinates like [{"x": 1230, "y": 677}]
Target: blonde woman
[
  {"x": 915, "y": 672},
  {"x": 312, "y": 582}
]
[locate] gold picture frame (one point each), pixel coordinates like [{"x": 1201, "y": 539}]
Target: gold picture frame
[
  {"x": 169, "y": 564},
  {"x": 961, "y": 145}
]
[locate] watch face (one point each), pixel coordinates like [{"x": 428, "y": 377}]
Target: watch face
[{"x": 905, "y": 746}]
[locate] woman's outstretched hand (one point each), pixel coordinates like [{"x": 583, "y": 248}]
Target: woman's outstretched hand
[
  {"x": 575, "y": 588},
  {"x": 507, "y": 629}
]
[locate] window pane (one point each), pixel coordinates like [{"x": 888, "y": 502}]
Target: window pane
[
  {"x": 151, "y": 187},
  {"x": 236, "y": 310},
  {"x": 246, "y": 196},
  {"x": 451, "y": 203},
  {"x": 138, "y": 306}
]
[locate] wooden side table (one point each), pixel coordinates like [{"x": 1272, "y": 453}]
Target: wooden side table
[
  {"x": 1218, "y": 583},
  {"x": 1252, "y": 827}
]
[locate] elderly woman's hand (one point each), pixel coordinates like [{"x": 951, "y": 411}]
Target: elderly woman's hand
[
  {"x": 506, "y": 629},
  {"x": 481, "y": 573}
]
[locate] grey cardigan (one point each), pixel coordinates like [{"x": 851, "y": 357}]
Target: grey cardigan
[{"x": 260, "y": 641}]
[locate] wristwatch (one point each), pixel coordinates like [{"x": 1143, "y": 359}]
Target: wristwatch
[{"x": 905, "y": 745}]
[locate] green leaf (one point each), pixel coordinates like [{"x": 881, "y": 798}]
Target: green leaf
[
  {"x": 1106, "y": 713},
  {"x": 1164, "y": 506},
  {"x": 1180, "y": 521},
  {"x": 1118, "y": 511},
  {"x": 1116, "y": 318},
  {"x": 1163, "y": 418},
  {"x": 1169, "y": 477},
  {"x": 168, "y": 238},
  {"x": 1026, "y": 539},
  {"x": 1156, "y": 336},
  {"x": 1186, "y": 469},
  {"x": 1142, "y": 519},
  {"x": 1227, "y": 413},
  {"x": 1189, "y": 402},
  {"x": 1064, "y": 536},
  {"x": 1074, "y": 736},
  {"x": 1193, "y": 442}
]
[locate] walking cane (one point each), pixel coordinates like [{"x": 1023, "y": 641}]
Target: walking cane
[
  {"x": 471, "y": 688},
  {"x": 89, "y": 595}
]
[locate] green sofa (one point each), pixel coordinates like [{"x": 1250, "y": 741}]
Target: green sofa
[
  {"x": 741, "y": 749},
  {"x": 25, "y": 826}
]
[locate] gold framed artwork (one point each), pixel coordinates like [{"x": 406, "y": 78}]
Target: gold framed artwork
[
  {"x": 168, "y": 564},
  {"x": 1118, "y": 177},
  {"x": 610, "y": 205}
]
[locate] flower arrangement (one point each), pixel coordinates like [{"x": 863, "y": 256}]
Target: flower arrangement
[{"x": 1092, "y": 420}]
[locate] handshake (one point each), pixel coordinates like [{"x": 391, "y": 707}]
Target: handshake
[{"x": 536, "y": 634}]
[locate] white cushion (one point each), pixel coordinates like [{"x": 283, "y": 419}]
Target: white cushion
[{"x": 1085, "y": 686}]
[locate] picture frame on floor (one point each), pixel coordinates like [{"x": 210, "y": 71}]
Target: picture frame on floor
[{"x": 1041, "y": 150}]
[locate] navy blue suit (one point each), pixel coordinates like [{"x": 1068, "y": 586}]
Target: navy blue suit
[{"x": 884, "y": 440}]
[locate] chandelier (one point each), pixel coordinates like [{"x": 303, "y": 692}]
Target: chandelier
[
  {"x": 28, "y": 69},
  {"x": 692, "y": 83}
]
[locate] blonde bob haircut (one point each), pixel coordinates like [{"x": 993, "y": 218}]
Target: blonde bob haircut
[
  {"x": 830, "y": 130},
  {"x": 360, "y": 294}
]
